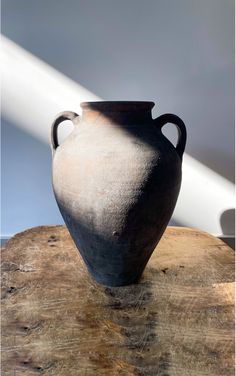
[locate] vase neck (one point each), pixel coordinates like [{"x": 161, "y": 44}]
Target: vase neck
[{"x": 117, "y": 112}]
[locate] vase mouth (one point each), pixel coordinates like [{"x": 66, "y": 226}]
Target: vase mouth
[{"x": 120, "y": 106}]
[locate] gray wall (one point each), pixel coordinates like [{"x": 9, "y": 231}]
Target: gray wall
[{"x": 178, "y": 53}]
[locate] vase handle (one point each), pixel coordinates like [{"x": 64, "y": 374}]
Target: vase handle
[
  {"x": 182, "y": 134},
  {"x": 62, "y": 116}
]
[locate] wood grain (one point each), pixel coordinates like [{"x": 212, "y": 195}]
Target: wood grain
[{"x": 179, "y": 320}]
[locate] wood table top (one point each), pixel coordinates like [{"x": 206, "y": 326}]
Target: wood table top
[{"x": 56, "y": 320}]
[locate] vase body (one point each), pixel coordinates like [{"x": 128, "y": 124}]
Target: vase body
[{"x": 116, "y": 179}]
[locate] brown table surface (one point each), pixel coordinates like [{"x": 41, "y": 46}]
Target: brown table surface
[{"x": 179, "y": 320}]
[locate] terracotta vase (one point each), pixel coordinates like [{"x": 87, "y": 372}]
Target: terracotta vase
[{"x": 116, "y": 179}]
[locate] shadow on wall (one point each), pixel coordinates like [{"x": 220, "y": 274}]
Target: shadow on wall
[{"x": 227, "y": 221}]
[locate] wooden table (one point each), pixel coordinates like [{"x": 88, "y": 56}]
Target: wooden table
[{"x": 179, "y": 320}]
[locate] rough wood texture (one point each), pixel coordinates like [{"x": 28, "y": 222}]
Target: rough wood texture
[{"x": 177, "y": 321}]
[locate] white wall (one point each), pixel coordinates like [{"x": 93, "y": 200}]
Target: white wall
[{"x": 179, "y": 54}]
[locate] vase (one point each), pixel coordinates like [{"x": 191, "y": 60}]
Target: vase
[{"x": 116, "y": 179}]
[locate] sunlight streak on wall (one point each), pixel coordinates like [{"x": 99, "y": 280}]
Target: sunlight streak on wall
[{"x": 33, "y": 92}]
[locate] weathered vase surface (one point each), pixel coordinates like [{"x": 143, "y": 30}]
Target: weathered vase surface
[{"x": 116, "y": 179}]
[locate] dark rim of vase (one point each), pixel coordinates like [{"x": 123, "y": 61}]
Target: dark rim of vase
[{"x": 117, "y": 105}]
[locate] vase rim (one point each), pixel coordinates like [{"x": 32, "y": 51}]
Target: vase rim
[{"x": 111, "y": 106}]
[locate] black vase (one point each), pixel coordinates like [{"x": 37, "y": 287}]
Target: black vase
[{"x": 116, "y": 179}]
